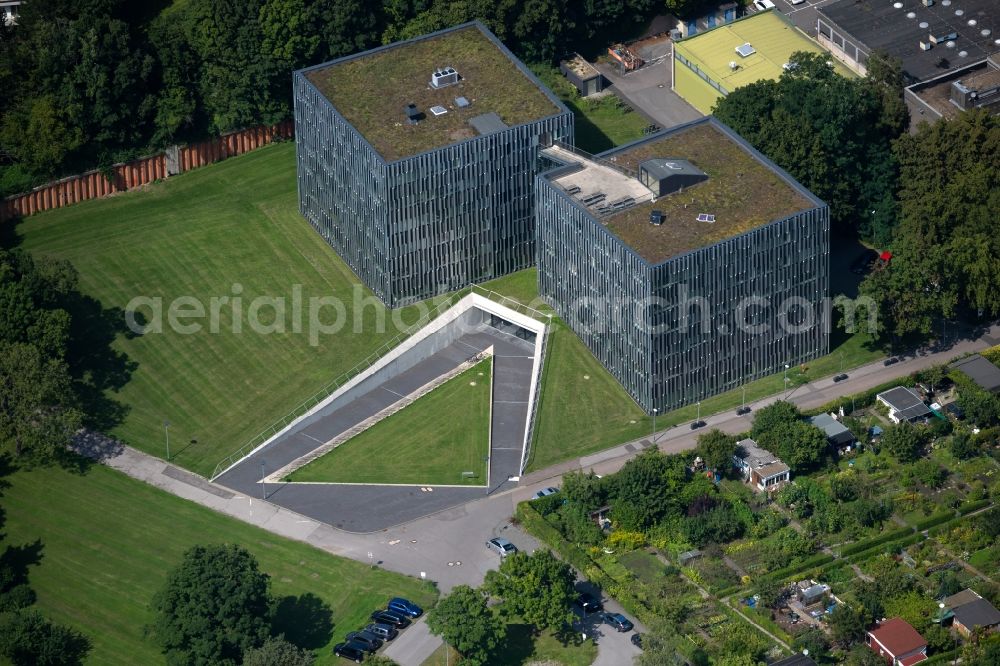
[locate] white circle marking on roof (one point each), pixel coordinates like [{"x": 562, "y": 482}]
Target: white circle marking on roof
[
  {"x": 959, "y": 12},
  {"x": 924, "y": 24},
  {"x": 985, "y": 32},
  {"x": 950, "y": 44},
  {"x": 972, "y": 22},
  {"x": 945, "y": 3},
  {"x": 897, "y": 5},
  {"x": 911, "y": 15},
  {"x": 962, "y": 54}
]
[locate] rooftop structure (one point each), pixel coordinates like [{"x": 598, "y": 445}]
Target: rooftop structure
[
  {"x": 969, "y": 611},
  {"x": 904, "y": 404},
  {"x": 896, "y": 640},
  {"x": 740, "y": 192},
  {"x": 417, "y": 161},
  {"x": 371, "y": 90},
  {"x": 712, "y": 64},
  {"x": 627, "y": 238},
  {"x": 947, "y": 95},
  {"x": 981, "y": 371},
  {"x": 795, "y": 660},
  {"x": 836, "y": 432},
  {"x": 930, "y": 37}
]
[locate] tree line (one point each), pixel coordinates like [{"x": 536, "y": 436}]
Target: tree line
[
  {"x": 929, "y": 196},
  {"x": 87, "y": 83}
]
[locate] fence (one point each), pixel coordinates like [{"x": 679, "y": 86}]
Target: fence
[{"x": 130, "y": 175}]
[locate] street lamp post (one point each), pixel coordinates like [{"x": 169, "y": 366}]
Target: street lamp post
[
  {"x": 263, "y": 488},
  {"x": 698, "y": 420},
  {"x": 166, "y": 433},
  {"x": 786, "y": 381},
  {"x": 744, "y": 407},
  {"x": 654, "y": 425}
]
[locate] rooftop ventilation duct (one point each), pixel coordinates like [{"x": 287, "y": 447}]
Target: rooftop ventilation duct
[
  {"x": 412, "y": 113},
  {"x": 446, "y": 76}
]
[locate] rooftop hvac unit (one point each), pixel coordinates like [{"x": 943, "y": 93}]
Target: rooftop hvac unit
[
  {"x": 656, "y": 217},
  {"x": 927, "y": 3},
  {"x": 446, "y": 76},
  {"x": 941, "y": 38},
  {"x": 925, "y": 46}
]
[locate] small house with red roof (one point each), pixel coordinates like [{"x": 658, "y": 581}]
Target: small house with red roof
[{"x": 897, "y": 642}]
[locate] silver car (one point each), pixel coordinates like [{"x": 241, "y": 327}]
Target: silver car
[{"x": 501, "y": 547}]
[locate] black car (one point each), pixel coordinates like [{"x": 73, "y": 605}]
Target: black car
[
  {"x": 370, "y": 641},
  {"x": 388, "y": 617},
  {"x": 588, "y": 604},
  {"x": 618, "y": 621},
  {"x": 636, "y": 640},
  {"x": 349, "y": 651}
]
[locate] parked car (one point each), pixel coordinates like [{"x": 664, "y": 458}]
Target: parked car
[
  {"x": 369, "y": 640},
  {"x": 405, "y": 607},
  {"x": 618, "y": 621},
  {"x": 384, "y": 631},
  {"x": 349, "y": 651},
  {"x": 763, "y": 4},
  {"x": 545, "y": 492},
  {"x": 588, "y": 604},
  {"x": 637, "y": 637},
  {"x": 501, "y": 547},
  {"x": 388, "y": 617}
]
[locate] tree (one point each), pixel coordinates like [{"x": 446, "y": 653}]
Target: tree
[
  {"x": 814, "y": 640},
  {"x": 28, "y": 639},
  {"x": 903, "y": 441},
  {"x": 862, "y": 655},
  {"x": 799, "y": 444},
  {"x": 770, "y": 592},
  {"x": 466, "y": 623},
  {"x": 536, "y": 587},
  {"x": 929, "y": 473},
  {"x": 847, "y": 626},
  {"x": 585, "y": 490},
  {"x": 645, "y": 490},
  {"x": 980, "y": 407},
  {"x": 776, "y": 414},
  {"x": 658, "y": 646},
  {"x": 214, "y": 607},
  {"x": 962, "y": 446},
  {"x": 914, "y": 607},
  {"x": 716, "y": 448},
  {"x": 278, "y": 652}
]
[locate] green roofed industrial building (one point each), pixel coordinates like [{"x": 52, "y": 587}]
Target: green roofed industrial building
[{"x": 712, "y": 64}]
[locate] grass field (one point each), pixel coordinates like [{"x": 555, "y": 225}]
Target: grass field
[
  {"x": 197, "y": 235},
  {"x": 430, "y": 442},
  {"x": 107, "y": 541}
]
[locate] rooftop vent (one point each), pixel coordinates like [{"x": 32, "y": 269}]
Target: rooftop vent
[
  {"x": 733, "y": 65},
  {"x": 446, "y": 76},
  {"x": 942, "y": 37},
  {"x": 656, "y": 217},
  {"x": 927, "y": 3},
  {"x": 412, "y": 113},
  {"x": 745, "y": 50},
  {"x": 438, "y": 110},
  {"x": 461, "y": 102}
]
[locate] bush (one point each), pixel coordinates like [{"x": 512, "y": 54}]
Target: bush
[
  {"x": 861, "y": 546},
  {"x": 625, "y": 540},
  {"x": 969, "y": 507},
  {"x": 936, "y": 519}
]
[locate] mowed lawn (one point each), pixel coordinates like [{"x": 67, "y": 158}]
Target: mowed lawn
[
  {"x": 429, "y": 442},
  {"x": 108, "y": 541},
  {"x": 231, "y": 229}
]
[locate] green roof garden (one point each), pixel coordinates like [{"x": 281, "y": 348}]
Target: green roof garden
[
  {"x": 741, "y": 192},
  {"x": 371, "y": 90}
]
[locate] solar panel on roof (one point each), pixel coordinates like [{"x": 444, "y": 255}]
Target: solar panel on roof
[
  {"x": 438, "y": 110},
  {"x": 461, "y": 102},
  {"x": 705, "y": 217},
  {"x": 745, "y": 50}
]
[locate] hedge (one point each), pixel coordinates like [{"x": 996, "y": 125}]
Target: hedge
[
  {"x": 942, "y": 657},
  {"x": 968, "y": 507},
  {"x": 860, "y": 546},
  {"x": 875, "y": 552},
  {"x": 860, "y": 400},
  {"x": 817, "y": 560},
  {"x": 936, "y": 519}
]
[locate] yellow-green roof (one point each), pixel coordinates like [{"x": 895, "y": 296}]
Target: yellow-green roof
[{"x": 773, "y": 39}]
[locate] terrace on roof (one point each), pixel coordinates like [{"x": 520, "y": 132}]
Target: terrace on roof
[
  {"x": 371, "y": 90},
  {"x": 741, "y": 193}
]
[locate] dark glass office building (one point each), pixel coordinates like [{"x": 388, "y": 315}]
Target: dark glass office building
[
  {"x": 686, "y": 261},
  {"x": 417, "y": 161}
]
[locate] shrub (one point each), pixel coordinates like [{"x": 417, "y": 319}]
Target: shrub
[{"x": 626, "y": 540}]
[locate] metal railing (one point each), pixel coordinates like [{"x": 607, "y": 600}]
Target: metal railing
[
  {"x": 332, "y": 386},
  {"x": 529, "y": 431},
  {"x": 631, "y": 173}
]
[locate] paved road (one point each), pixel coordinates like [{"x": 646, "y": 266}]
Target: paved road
[
  {"x": 448, "y": 546},
  {"x": 367, "y": 508},
  {"x": 648, "y": 90}
]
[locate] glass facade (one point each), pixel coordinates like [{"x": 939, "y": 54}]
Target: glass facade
[
  {"x": 428, "y": 224},
  {"x": 696, "y": 324}
]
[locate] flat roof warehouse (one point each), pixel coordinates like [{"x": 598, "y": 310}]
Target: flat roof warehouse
[
  {"x": 954, "y": 33},
  {"x": 372, "y": 90}
]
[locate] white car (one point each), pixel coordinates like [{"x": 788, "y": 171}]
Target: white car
[
  {"x": 501, "y": 547},
  {"x": 763, "y": 4}
]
